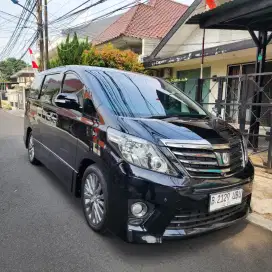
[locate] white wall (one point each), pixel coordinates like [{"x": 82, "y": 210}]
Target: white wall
[
  {"x": 188, "y": 38},
  {"x": 213, "y": 38},
  {"x": 148, "y": 45}
]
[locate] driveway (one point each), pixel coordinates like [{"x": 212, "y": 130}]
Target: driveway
[{"x": 42, "y": 228}]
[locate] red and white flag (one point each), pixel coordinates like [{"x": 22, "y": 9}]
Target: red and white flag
[
  {"x": 33, "y": 61},
  {"x": 211, "y": 4}
]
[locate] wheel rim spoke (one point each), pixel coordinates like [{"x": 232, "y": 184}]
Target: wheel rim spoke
[
  {"x": 97, "y": 217},
  {"x": 100, "y": 203},
  {"x": 100, "y": 197},
  {"x": 98, "y": 189}
]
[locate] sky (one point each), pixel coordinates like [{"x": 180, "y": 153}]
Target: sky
[{"x": 56, "y": 8}]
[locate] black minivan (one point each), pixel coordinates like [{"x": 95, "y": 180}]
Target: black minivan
[{"x": 147, "y": 162}]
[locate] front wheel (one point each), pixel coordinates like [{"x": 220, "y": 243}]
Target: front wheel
[
  {"x": 31, "y": 150},
  {"x": 94, "y": 198}
]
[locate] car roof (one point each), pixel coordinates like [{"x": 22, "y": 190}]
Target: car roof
[{"x": 82, "y": 68}]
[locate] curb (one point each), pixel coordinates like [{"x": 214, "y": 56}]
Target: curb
[{"x": 260, "y": 221}]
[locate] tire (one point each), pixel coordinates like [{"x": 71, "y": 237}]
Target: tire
[
  {"x": 94, "y": 198},
  {"x": 31, "y": 150}
]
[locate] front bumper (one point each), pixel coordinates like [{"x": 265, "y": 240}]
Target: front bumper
[
  {"x": 140, "y": 235},
  {"x": 189, "y": 202}
]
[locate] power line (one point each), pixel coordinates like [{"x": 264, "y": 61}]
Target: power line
[
  {"x": 23, "y": 20},
  {"x": 100, "y": 17},
  {"x": 74, "y": 12}
]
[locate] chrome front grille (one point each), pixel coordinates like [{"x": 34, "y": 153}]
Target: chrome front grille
[{"x": 203, "y": 160}]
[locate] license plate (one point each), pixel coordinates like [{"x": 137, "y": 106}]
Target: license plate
[{"x": 226, "y": 199}]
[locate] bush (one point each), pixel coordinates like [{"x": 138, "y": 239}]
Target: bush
[
  {"x": 109, "y": 56},
  {"x": 75, "y": 52},
  {"x": 6, "y": 105}
]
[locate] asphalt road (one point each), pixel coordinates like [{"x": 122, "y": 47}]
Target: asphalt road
[{"x": 42, "y": 228}]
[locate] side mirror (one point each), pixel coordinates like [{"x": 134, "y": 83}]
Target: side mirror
[{"x": 68, "y": 101}]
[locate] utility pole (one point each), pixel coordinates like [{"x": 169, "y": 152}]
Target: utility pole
[
  {"x": 46, "y": 61},
  {"x": 40, "y": 30}
]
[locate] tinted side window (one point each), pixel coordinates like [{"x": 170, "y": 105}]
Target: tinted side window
[
  {"x": 88, "y": 106},
  {"x": 72, "y": 84},
  {"x": 36, "y": 87},
  {"x": 51, "y": 88}
]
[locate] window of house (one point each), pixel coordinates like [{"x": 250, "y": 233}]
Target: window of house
[{"x": 51, "y": 88}]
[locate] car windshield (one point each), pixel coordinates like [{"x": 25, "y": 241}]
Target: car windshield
[{"x": 136, "y": 95}]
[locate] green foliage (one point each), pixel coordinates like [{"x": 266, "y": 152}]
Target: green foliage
[
  {"x": 75, "y": 52},
  {"x": 10, "y": 66},
  {"x": 54, "y": 63},
  {"x": 109, "y": 56},
  {"x": 177, "y": 80},
  {"x": 70, "y": 52}
]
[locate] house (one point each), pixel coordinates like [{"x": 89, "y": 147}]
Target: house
[
  {"x": 227, "y": 52},
  {"x": 143, "y": 26},
  {"x": 229, "y": 56},
  {"x": 16, "y": 95},
  {"x": 88, "y": 30}
]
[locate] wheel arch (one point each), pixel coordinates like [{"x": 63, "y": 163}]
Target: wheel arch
[{"x": 84, "y": 164}]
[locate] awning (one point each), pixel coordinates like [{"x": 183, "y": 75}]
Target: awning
[{"x": 238, "y": 15}]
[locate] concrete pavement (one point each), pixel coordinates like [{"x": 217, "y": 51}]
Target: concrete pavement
[{"x": 42, "y": 228}]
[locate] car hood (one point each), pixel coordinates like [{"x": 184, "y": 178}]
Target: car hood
[{"x": 215, "y": 131}]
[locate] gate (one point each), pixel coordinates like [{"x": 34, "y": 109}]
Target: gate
[{"x": 241, "y": 102}]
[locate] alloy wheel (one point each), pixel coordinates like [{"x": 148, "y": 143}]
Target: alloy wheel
[
  {"x": 94, "y": 204},
  {"x": 31, "y": 150}
]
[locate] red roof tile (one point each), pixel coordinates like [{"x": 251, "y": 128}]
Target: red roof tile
[{"x": 151, "y": 20}]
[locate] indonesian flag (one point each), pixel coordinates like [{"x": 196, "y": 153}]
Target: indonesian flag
[
  {"x": 211, "y": 4},
  {"x": 33, "y": 61}
]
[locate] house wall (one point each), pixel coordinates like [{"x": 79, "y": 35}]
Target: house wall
[
  {"x": 24, "y": 80},
  {"x": 148, "y": 45},
  {"x": 213, "y": 38}
]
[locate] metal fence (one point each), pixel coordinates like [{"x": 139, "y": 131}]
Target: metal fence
[{"x": 244, "y": 101}]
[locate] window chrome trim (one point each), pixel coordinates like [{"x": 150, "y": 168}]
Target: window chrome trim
[{"x": 57, "y": 156}]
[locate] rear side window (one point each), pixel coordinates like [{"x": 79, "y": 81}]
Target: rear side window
[
  {"x": 36, "y": 87},
  {"x": 51, "y": 88}
]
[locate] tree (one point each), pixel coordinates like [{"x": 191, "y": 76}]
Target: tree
[
  {"x": 10, "y": 66},
  {"x": 109, "y": 56},
  {"x": 70, "y": 52}
]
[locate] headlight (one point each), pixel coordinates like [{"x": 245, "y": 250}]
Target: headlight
[
  {"x": 140, "y": 152},
  {"x": 245, "y": 149}
]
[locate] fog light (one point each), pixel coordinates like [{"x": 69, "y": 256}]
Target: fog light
[{"x": 139, "y": 209}]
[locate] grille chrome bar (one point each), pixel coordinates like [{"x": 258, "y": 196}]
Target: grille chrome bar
[
  {"x": 188, "y": 154},
  {"x": 199, "y": 162},
  {"x": 226, "y": 170}
]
